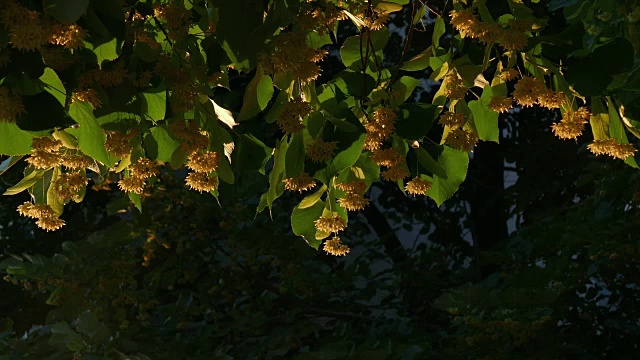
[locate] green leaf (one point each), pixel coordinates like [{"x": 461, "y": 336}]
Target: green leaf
[
  {"x": 349, "y": 148},
  {"x": 241, "y": 43},
  {"x": 251, "y": 154},
  {"x": 616, "y": 130},
  {"x": 485, "y": 119},
  {"x": 277, "y": 174},
  {"x": 418, "y": 62},
  {"x": 105, "y": 51},
  {"x": 26, "y": 182},
  {"x": 136, "y": 200},
  {"x": 159, "y": 145},
  {"x": 303, "y": 222},
  {"x": 350, "y": 51},
  {"x": 429, "y": 163},
  {"x": 415, "y": 120},
  {"x": 90, "y": 136},
  {"x": 599, "y": 120},
  {"x": 52, "y": 200},
  {"x": 257, "y": 96},
  {"x": 438, "y": 31},
  {"x": 402, "y": 90},
  {"x": 13, "y": 140},
  {"x": 62, "y": 335},
  {"x": 66, "y": 11},
  {"x": 455, "y": 164},
  {"x": 53, "y": 85},
  {"x": 154, "y": 102},
  {"x": 40, "y": 188},
  {"x": 312, "y": 199},
  {"x": 294, "y": 159}
]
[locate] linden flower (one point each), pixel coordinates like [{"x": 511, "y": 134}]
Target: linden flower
[
  {"x": 119, "y": 143},
  {"x": 132, "y": 184},
  {"x": 50, "y": 223},
  {"x": 70, "y": 36},
  {"x": 381, "y": 127},
  {"x": 290, "y": 120},
  {"x": 41, "y": 159},
  {"x": 46, "y": 144},
  {"x": 335, "y": 247},
  {"x": 372, "y": 142},
  {"x": 551, "y": 99},
  {"x": 612, "y": 148},
  {"x": 528, "y": 90},
  {"x": 418, "y": 186},
  {"x": 300, "y": 183},
  {"x": 10, "y": 105},
  {"x": 290, "y": 54},
  {"x": 201, "y": 182},
  {"x": 454, "y": 88},
  {"x": 395, "y": 173},
  {"x": 512, "y": 39},
  {"x": 143, "y": 168},
  {"x": 509, "y": 74},
  {"x": 355, "y": 186},
  {"x": 320, "y": 151},
  {"x": 90, "y": 96},
  {"x": 203, "y": 162},
  {"x": 500, "y": 104},
  {"x": 386, "y": 157},
  {"x": 331, "y": 224},
  {"x": 35, "y": 211},
  {"x": 75, "y": 161},
  {"x": 353, "y": 201},
  {"x": 68, "y": 185},
  {"x": 451, "y": 119},
  {"x": 572, "y": 124},
  {"x": 463, "y": 20},
  {"x": 462, "y": 139}
]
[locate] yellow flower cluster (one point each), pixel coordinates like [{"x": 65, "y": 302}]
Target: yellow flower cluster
[
  {"x": 290, "y": 120},
  {"x": 501, "y": 104},
  {"x": 530, "y": 91},
  {"x": 454, "y": 88},
  {"x": 513, "y": 37},
  {"x": 290, "y": 54},
  {"x": 396, "y": 172},
  {"x": 300, "y": 183},
  {"x": 44, "y": 154},
  {"x": 10, "y": 105},
  {"x": 138, "y": 174},
  {"x": 386, "y": 157},
  {"x": 176, "y": 17},
  {"x": 90, "y": 96},
  {"x": 119, "y": 143},
  {"x": 331, "y": 224},
  {"x": 612, "y": 148},
  {"x": 69, "y": 185},
  {"x": 190, "y": 136},
  {"x": 572, "y": 124},
  {"x": 353, "y": 199},
  {"x": 47, "y": 219},
  {"x": 418, "y": 186},
  {"x": 320, "y": 20},
  {"x": 452, "y": 119},
  {"x": 335, "y": 247},
  {"x": 320, "y": 151},
  {"x": 461, "y": 139},
  {"x": 75, "y": 161},
  {"x": 71, "y": 36},
  {"x": 27, "y": 30},
  {"x": 202, "y": 164},
  {"x": 508, "y": 74},
  {"x": 379, "y": 128}
]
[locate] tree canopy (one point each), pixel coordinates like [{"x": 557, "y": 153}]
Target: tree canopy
[{"x": 235, "y": 104}]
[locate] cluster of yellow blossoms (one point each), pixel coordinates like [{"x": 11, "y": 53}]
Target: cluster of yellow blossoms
[
  {"x": 572, "y": 124},
  {"x": 138, "y": 174},
  {"x": 290, "y": 120},
  {"x": 31, "y": 30},
  {"x": 44, "y": 154},
  {"x": 379, "y": 128},
  {"x": 300, "y": 183},
  {"x": 10, "y": 105},
  {"x": 457, "y": 136},
  {"x": 47, "y": 219},
  {"x": 612, "y": 148},
  {"x": 202, "y": 165},
  {"x": 333, "y": 224},
  {"x": 320, "y": 151},
  {"x": 353, "y": 199},
  {"x": 418, "y": 186},
  {"x": 119, "y": 143},
  {"x": 511, "y": 37},
  {"x": 290, "y": 54},
  {"x": 531, "y": 90}
]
